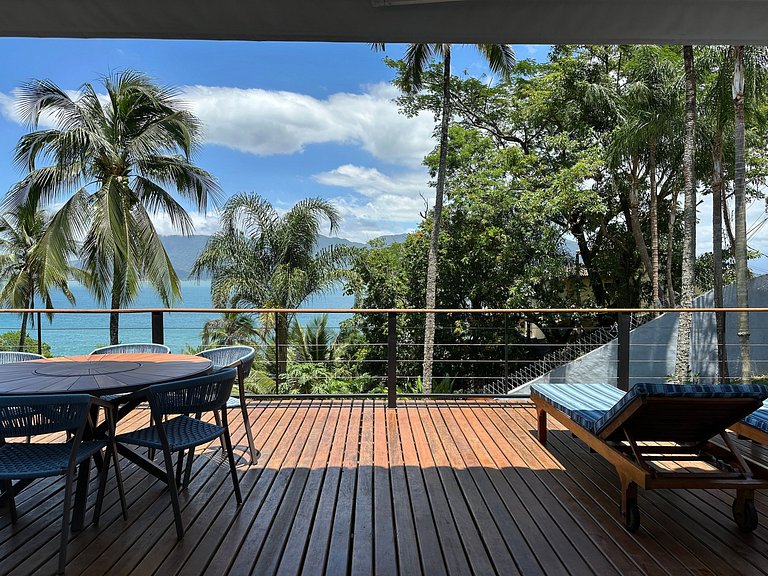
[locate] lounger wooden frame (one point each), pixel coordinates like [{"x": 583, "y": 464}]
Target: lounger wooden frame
[
  {"x": 750, "y": 432},
  {"x": 632, "y": 444}
]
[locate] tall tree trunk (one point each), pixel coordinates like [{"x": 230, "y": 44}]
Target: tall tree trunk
[
  {"x": 682, "y": 362},
  {"x": 670, "y": 247},
  {"x": 23, "y": 331},
  {"x": 740, "y": 215},
  {"x": 654, "y": 217},
  {"x": 281, "y": 344},
  {"x": 634, "y": 220},
  {"x": 114, "y": 317},
  {"x": 429, "y": 321},
  {"x": 717, "y": 253}
]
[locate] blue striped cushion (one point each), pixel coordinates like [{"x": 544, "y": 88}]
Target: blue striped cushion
[
  {"x": 759, "y": 418},
  {"x": 585, "y": 404},
  {"x": 645, "y": 390}
]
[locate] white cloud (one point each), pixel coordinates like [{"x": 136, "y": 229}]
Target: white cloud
[
  {"x": 380, "y": 203},
  {"x": 205, "y": 224},
  {"x": 265, "y": 122},
  {"x": 268, "y": 122}
]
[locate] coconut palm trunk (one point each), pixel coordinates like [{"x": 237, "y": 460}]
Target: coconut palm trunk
[
  {"x": 432, "y": 257},
  {"x": 717, "y": 254},
  {"x": 740, "y": 216},
  {"x": 654, "y": 217},
  {"x": 682, "y": 361}
]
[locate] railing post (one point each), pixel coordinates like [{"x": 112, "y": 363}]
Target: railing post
[
  {"x": 277, "y": 355},
  {"x": 158, "y": 333},
  {"x": 506, "y": 349},
  {"x": 622, "y": 370},
  {"x": 392, "y": 360}
]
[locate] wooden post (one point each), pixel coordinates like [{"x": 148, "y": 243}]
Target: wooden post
[
  {"x": 158, "y": 333},
  {"x": 622, "y": 370},
  {"x": 277, "y": 356},
  {"x": 392, "y": 360}
]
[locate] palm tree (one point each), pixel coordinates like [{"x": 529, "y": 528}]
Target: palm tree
[
  {"x": 500, "y": 58},
  {"x": 23, "y": 269},
  {"x": 232, "y": 328},
  {"x": 260, "y": 259},
  {"x": 682, "y": 362},
  {"x": 117, "y": 158},
  {"x": 740, "y": 214}
]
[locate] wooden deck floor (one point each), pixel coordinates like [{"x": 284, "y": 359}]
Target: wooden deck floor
[{"x": 440, "y": 487}]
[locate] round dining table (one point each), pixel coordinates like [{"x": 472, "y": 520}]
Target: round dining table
[{"x": 99, "y": 374}]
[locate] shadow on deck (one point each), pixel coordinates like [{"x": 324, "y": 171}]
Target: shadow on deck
[{"x": 434, "y": 487}]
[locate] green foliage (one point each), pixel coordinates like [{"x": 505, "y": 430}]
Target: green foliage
[
  {"x": 121, "y": 156},
  {"x": 10, "y": 341}
]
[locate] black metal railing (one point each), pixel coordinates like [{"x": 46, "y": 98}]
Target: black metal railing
[{"x": 487, "y": 357}]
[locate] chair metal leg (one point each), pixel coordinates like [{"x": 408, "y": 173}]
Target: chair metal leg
[
  {"x": 7, "y": 486},
  {"x": 119, "y": 479},
  {"x": 102, "y": 487},
  {"x": 247, "y": 424},
  {"x": 232, "y": 466},
  {"x": 179, "y": 468},
  {"x": 217, "y": 417},
  {"x": 174, "y": 492},
  {"x": 188, "y": 471},
  {"x": 65, "y": 521}
]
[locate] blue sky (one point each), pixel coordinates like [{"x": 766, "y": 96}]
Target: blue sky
[{"x": 285, "y": 120}]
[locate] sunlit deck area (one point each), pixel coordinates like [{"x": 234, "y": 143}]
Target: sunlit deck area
[{"x": 434, "y": 487}]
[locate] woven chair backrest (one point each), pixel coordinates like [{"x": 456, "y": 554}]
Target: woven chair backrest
[
  {"x": 42, "y": 414},
  {"x": 231, "y": 356},
  {"x": 9, "y": 357},
  {"x": 134, "y": 348},
  {"x": 201, "y": 394}
]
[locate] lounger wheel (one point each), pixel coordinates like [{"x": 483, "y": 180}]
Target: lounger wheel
[
  {"x": 745, "y": 514},
  {"x": 632, "y": 516}
]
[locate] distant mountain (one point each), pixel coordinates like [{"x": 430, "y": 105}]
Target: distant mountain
[{"x": 183, "y": 251}]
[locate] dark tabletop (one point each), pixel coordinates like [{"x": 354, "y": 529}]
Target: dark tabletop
[{"x": 98, "y": 374}]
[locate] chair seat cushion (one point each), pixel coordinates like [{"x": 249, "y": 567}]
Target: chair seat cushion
[
  {"x": 759, "y": 418},
  {"x": 585, "y": 404},
  {"x": 646, "y": 390},
  {"x": 21, "y": 460},
  {"x": 233, "y": 402},
  {"x": 183, "y": 432}
]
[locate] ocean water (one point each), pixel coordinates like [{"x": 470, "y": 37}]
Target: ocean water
[{"x": 70, "y": 334}]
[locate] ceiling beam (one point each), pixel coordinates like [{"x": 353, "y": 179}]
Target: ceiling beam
[{"x": 469, "y": 21}]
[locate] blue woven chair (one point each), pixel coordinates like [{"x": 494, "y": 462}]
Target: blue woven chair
[
  {"x": 45, "y": 414},
  {"x": 193, "y": 396},
  {"x": 133, "y": 348},
  {"x": 240, "y": 357},
  {"x": 7, "y": 357}
]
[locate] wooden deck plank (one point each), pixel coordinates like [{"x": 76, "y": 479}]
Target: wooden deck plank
[
  {"x": 338, "y": 556},
  {"x": 279, "y": 485},
  {"x": 351, "y": 487},
  {"x": 559, "y": 484},
  {"x": 465, "y": 504},
  {"x": 405, "y": 540},
  {"x": 453, "y": 548},
  {"x": 320, "y": 537},
  {"x": 384, "y": 543},
  {"x": 301, "y": 492},
  {"x": 309, "y": 535},
  {"x": 362, "y": 531}
]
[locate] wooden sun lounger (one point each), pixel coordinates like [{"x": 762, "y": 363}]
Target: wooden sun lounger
[
  {"x": 755, "y": 426},
  {"x": 653, "y": 424}
]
